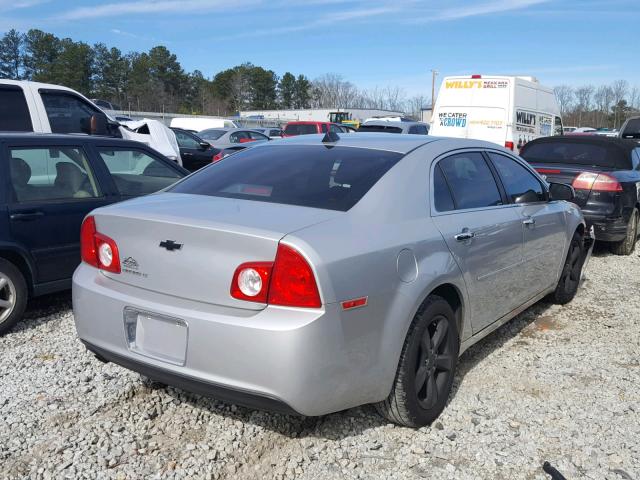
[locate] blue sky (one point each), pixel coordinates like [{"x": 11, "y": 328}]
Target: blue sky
[{"x": 370, "y": 43}]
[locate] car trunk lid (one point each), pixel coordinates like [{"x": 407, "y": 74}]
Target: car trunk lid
[{"x": 189, "y": 246}]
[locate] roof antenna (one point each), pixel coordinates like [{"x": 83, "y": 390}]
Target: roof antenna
[{"x": 330, "y": 137}]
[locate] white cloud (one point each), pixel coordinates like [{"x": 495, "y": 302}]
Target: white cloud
[
  {"x": 6, "y": 5},
  {"x": 151, "y": 6},
  {"x": 477, "y": 9}
]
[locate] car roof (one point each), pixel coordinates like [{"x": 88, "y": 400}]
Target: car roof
[
  {"x": 376, "y": 141},
  {"x": 392, "y": 123},
  {"x": 70, "y": 138}
]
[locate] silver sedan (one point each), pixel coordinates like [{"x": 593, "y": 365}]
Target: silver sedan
[
  {"x": 315, "y": 274},
  {"x": 232, "y": 138}
]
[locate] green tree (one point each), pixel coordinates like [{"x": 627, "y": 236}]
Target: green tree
[
  {"x": 73, "y": 67},
  {"x": 302, "y": 96},
  {"x": 287, "y": 90},
  {"x": 139, "y": 90},
  {"x": 41, "y": 52},
  {"x": 262, "y": 87},
  {"x": 11, "y": 62},
  {"x": 111, "y": 70},
  {"x": 167, "y": 76}
]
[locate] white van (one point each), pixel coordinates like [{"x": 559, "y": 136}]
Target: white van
[
  {"x": 509, "y": 111},
  {"x": 197, "y": 124}
]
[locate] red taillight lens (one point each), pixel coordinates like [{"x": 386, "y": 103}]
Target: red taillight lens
[
  {"x": 547, "y": 170},
  {"x": 217, "y": 157},
  {"x": 88, "y": 250},
  {"x": 508, "y": 145},
  {"x": 289, "y": 281},
  {"x": 293, "y": 283},
  {"x": 247, "y": 140},
  {"x": 251, "y": 281},
  {"x": 97, "y": 249},
  {"x": 599, "y": 182}
]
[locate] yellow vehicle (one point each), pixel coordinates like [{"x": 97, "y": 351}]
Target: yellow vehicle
[{"x": 343, "y": 118}]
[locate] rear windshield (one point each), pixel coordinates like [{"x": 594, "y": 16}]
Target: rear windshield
[
  {"x": 576, "y": 154},
  {"x": 379, "y": 128},
  {"x": 300, "y": 129},
  {"x": 632, "y": 129},
  {"x": 211, "y": 134},
  {"x": 306, "y": 175}
]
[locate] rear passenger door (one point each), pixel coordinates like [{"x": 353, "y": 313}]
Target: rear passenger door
[
  {"x": 543, "y": 221},
  {"x": 52, "y": 188},
  {"x": 483, "y": 234}
]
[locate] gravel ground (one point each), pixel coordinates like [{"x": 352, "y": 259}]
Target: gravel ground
[{"x": 556, "y": 383}]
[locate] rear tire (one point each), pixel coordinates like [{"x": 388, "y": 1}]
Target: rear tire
[
  {"x": 13, "y": 295},
  {"x": 426, "y": 368},
  {"x": 571, "y": 272},
  {"x": 628, "y": 245}
]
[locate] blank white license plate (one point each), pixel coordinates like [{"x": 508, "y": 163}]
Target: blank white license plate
[{"x": 156, "y": 336}]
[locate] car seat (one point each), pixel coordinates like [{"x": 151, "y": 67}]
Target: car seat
[
  {"x": 20, "y": 176},
  {"x": 71, "y": 181}
]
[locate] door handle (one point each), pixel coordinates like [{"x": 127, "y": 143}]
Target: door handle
[
  {"x": 26, "y": 216},
  {"x": 187, "y": 154},
  {"x": 461, "y": 237},
  {"x": 529, "y": 221}
]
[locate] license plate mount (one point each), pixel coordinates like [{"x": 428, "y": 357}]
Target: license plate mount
[{"x": 156, "y": 336}]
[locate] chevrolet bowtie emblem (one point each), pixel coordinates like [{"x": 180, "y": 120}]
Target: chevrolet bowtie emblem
[{"x": 170, "y": 245}]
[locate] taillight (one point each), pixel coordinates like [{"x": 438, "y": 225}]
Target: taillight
[
  {"x": 599, "y": 182},
  {"x": 547, "y": 170},
  {"x": 217, "y": 157},
  {"x": 508, "y": 145},
  {"x": 288, "y": 281},
  {"x": 97, "y": 249},
  {"x": 293, "y": 283},
  {"x": 251, "y": 281}
]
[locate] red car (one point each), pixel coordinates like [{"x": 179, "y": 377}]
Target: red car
[{"x": 292, "y": 129}]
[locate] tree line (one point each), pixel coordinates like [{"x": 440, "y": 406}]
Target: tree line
[
  {"x": 604, "y": 106},
  {"x": 155, "y": 80}
]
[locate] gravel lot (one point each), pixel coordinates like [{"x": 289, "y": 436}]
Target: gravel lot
[{"x": 557, "y": 383}]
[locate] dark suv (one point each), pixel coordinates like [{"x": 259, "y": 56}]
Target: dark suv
[
  {"x": 48, "y": 183},
  {"x": 605, "y": 173}
]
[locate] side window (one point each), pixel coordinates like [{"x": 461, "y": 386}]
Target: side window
[
  {"x": 324, "y": 128},
  {"x": 443, "y": 201},
  {"x": 413, "y": 129},
  {"x": 257, "y": 136},
  {"x": 635, "y": 158},
  {"x": 136, "y": 173},
  {"x": 335, "y": 128},
  {"x": 14, "y": 112},
  {"x": 275, "y": 133},
  {"x": 521, "y": 185},
  {"x": 423, "y": 130},
  {"x": 54, "y": 173},
  {"x": 239, "y": 137},
  {"x": 471, "y": 182},
  {"x": 557, "y": 126},
  {"x": 186, "y": 141},
  {"x": 68, "y": 113}
]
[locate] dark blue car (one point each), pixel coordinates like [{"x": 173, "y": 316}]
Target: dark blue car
[{"x": 48, "y": 183}]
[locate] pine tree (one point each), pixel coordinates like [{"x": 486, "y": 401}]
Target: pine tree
[{"x": 11, "y": 46}]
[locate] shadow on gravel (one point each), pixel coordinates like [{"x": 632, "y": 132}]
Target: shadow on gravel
[{"x": 40, "y": 309}]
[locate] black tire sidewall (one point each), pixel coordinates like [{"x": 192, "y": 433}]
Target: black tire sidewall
[
  {"x": 22, "y": 294},
  {"x": 419, "y": 415},
  {"x": 562, "y": 295}
]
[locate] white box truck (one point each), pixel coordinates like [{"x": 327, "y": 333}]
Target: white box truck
[{"x": 507, "y": 110}]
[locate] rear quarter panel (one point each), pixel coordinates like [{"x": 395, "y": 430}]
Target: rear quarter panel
[{"x": 357, "y": 255}]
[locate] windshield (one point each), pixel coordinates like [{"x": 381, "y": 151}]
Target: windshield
[
  {"x": 300, "y": 129},
  {"x": 305, "y": 175}
]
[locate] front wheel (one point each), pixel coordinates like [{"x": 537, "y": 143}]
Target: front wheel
[
  {"x": 628, "y": 245},
  {"x": 426, "y": 368},
  {"x": 13, "y": 295}
]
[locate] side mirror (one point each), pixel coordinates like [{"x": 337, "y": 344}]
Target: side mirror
[
  {"x": 99, "y": 125},
  {"x": 561, "y": 191},
  {"x": 205, "y": 145}
]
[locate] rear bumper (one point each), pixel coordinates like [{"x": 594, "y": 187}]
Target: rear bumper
[
  {"x": 309, "y": 361},
  {"x": 607, "y": 229}
]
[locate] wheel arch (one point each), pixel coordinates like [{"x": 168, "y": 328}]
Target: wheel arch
[{"x": 22, "y": 263}]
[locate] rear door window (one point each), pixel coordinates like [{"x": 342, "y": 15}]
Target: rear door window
[
  {"x": 14, "y": 112},
  {"x": 257, "y": 136},
  {"x": 135, "y": 172},
  {"x": 441, "y": 194},
  {"x": 305, "y": 175},
  {"x": 521, "y": 185},
  {"x": 54, "y": 173},
  {"x": 471, "y": 181},
  {"x": 186, "y": 141},
  {"x": 68, "y": 113}
]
